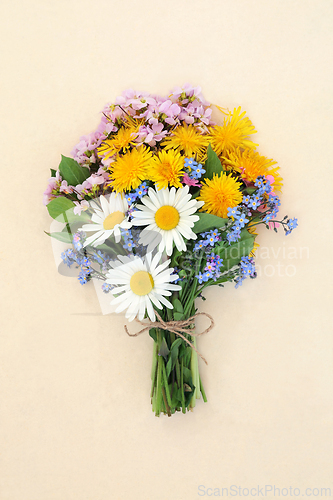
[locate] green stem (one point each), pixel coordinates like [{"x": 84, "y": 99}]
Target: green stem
[
  {"x": 182, "y": 387},
  {"x": 166, "y": 385},
  {"x": 159, "y": 389},
  {"x": 195, "y": 375},
  {"x": 166, "y": 403},
  {"x": 202, "y": 391},
  {"x": 178, "y": 374},
  {"x": 153, "y": 369}
]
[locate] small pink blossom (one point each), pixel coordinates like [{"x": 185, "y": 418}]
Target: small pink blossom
[
  {"x": 53, "y": 185},
  {"x": 171, "y": 110},
  {"x": 189, "y": 181},
  {"x": 65, "y": 188},
  {"x": 273, "y": 225},
  {"x": 95, "y": 179},
  {"x": 82, "y": 205}
]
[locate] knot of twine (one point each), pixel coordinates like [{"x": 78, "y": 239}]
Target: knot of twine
[{"x": 177, "y": 327}]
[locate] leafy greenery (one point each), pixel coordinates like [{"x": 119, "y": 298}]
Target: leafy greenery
[
  {"x": 58, "y": 206},
  {"x": 212, "y": 164},
  {"x": 72, "y": 172},
  {"x": 63, "y": 236},
  {"x": 207, "y": 222},
  {"x": 233, "y": 253}
]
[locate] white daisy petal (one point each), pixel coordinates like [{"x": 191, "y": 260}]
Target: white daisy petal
[
  {"x": 150, "y": 309},
  {"x": 105, "y": 205},
  {"x": 98, "y": 218},
  {"x": 165, "y": 301},
  {"x": 91, "y": 227},
  {"x": 92, "y": 238},
  {"x": 146, "y": 201},
  {"x": 172, "y": 196},
  {"x": 155, "y": 301}
]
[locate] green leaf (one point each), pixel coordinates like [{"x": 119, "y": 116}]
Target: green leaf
[
  {"x": 208, "y": 221},
  {"x": 164, "y": 349},
  {"x": 72, "y": 172},
  {"x": 175, "y": 345},
  {"x": 187, "y": 375},
  {"x": 232, "y": 254},
  {"x": 176, "y": 397},
  {"x": 177, "y": 305},
  {"x": 53, "y": 172},
  {"x": 178, "y": 316},
  {"x": 62, "y": 236},
  {"x": 212, "y": 164},
  {"x": 58, "y": 206},
  {"x": 187, "y": 356},
  {"x": 250, "y": 190},
  {"x": 176, "y": 255},
  {"x": 73, "y": 218},
  {"x": 153, "y": 335},
  {"x": 168, "y": 367}
]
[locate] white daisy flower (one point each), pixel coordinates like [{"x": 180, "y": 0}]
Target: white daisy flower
[
  {"x": 141, "y": 283},
  {"x": 170, "y": 213},
  {"x": 108, "y": 219}
]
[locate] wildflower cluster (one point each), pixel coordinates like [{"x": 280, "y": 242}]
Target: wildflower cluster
[
  {"x": 138, "y": 121},
  {"x": 208, "y": 239},
  {"x": 239, "y": 221},
  {"x": 85, "y": 260},
  {"x": 137, "y": 194},
  {"x": 246, "y": 270},
  {"x": 290, "y": 225},
  {"x": 70, "y": 257},
  {"x": 212, "y": 269},
  {"x": 193, "y": 172},
  {"x": 162, "y": 203}
]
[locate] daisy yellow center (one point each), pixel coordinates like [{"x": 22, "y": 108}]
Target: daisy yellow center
[
  {"x": 141, "y": 283},
  {"x": 111, "y": 220},
  {"x": 167, "y": 217}
]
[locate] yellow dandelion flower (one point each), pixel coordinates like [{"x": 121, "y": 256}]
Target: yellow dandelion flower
[
  {"x": 122, "y": 140},
  {"x": 129, "y": 170},
  {"x": 188, "y": 139},
  {"x": 219, "y": 194},
  {"x": 233, "y": 133},
  {"x": 251, "y": 164},
  {"x": 166, "y": 169}
]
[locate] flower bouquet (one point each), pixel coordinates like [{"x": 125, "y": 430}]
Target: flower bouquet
[{"x": 160, "y": 202}]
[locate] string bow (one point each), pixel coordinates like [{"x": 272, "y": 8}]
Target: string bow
[{"x": 177, "y": 327}]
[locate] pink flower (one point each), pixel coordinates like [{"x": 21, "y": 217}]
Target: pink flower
[
  {"x": 65, "y": 188},
  {"x": 189, "y": 181},
  {"x": 273, "y": 225},
  {"x": 155, "y": 132},
  {"x": 83, "y": 205},
  {"x": 171, "y": 110},
  {"x": 95, "y": 179},
  {"x": 53, "y": 185}
]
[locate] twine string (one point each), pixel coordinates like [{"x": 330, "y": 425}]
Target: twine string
[{"x": 177, "y": 327}]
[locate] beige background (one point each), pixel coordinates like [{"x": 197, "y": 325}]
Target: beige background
[{"x": 75, "y": 416}]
